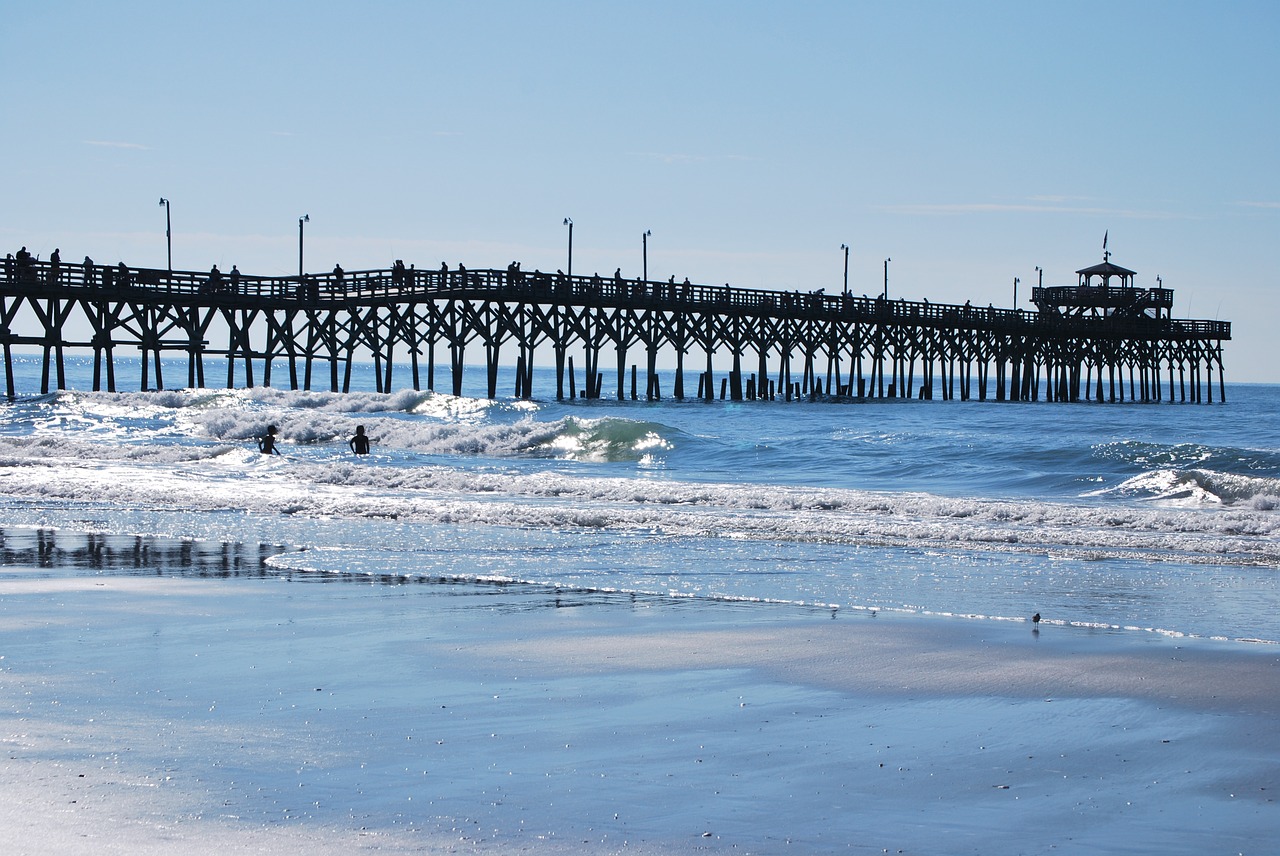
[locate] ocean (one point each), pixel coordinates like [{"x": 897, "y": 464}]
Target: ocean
[{"x": 1117, "y": 518}]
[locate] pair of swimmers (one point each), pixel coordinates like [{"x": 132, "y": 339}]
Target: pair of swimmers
[{"x": 359, "y": 444}]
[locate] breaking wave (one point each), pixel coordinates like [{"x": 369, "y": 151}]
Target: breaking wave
[{"x": 1200, "y": 488}]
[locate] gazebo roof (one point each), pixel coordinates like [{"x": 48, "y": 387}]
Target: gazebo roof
[{"x": 1106, "y": 269}]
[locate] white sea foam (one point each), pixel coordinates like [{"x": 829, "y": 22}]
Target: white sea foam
[{"x": 225, "y": 477}]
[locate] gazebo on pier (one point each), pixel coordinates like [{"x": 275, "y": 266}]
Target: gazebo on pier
[{"x": 1106, "y": 290}]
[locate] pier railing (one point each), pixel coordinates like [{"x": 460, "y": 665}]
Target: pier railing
[
  {"x": 1103, "y": 296},
  {"x": 407, "y": 285}
]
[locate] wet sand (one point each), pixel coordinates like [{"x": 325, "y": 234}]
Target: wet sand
[{"x": 236, "y": 712}]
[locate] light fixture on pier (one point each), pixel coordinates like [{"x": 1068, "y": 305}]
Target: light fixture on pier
[
  {"x": 568, "y": 222},
  {"x": 168, "y": 233},
  {"x": 644, "y": 252},
  {"x": 305, "y": 218},
  {"x": 886, "y": 278},
  {"x": 845, "y": 247}
]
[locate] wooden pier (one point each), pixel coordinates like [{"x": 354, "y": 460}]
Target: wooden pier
[{"x": 1103, "y": 339}]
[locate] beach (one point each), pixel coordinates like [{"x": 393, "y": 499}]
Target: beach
[{"x": 214, "y": 705}]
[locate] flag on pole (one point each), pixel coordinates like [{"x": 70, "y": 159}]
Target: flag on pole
[{"x": 1104, "y": 238}]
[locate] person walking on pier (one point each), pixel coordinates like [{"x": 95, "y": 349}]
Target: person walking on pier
[
  {"x": 55, "y": 266},
  {"x": 88, "y": 272},
  {"x": 360, "y": 442},
  {"x": 267, "y": 442}
]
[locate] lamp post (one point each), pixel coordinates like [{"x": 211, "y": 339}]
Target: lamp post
[
  {"x": 845, "y": 247},
  {"x": 168, "y": 233},
  {"x": 1015, "y": 293},
  {"x": 644, "y": 253},
  {"x": 886, "y": 278},
  {"x": 305, "y": 218},
  {"x": 1040, "y": 272},
  {"x": 568, "y": 222}
]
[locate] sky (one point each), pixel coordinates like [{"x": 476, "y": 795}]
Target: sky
[{"x": 967, "y": 142}]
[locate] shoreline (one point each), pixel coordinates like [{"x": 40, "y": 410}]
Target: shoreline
[{"x": 53, "y": 545}]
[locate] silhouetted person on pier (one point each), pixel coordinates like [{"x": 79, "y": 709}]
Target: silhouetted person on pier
[
  {"x": 215, "y": 279},
  {"x": 360, "y": 442},
  {"x": 122, "y": 275},
  {"x": 55, "y": 266},
  {"x": 88, "y": 271},
  {"x": 267, "y": 442},
  {"x": 235, "y": 279},
  {"x": 338, "y": 274},
  {"x": 23, "y": 262}
]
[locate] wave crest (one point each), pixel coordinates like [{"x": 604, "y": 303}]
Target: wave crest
[{"x": 1195, "y": 488}]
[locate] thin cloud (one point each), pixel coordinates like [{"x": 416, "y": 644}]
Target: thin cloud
[
  {"x": 1058, "y": 199},
  {"x": 669, "y": 157},
  {"x": 1027, "y": 208},
  {"x": 111, "y": 144},
  {"x": 676, "y": 157},
  {"x": 1259, "y": 204}
]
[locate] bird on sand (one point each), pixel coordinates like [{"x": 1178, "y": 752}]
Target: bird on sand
[{"x": 1035, "y": 619}]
